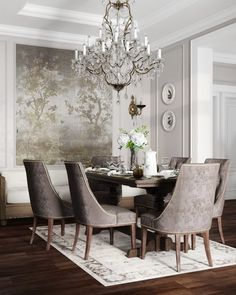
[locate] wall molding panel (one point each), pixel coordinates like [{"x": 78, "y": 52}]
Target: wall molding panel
[
  {"x": 3, "y": 93},
  {"x": 224, "y": 132}
]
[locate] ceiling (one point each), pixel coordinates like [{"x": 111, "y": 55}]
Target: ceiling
[{"x": 164, "y": 21}]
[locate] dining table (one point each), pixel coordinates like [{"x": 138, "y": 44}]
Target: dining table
[{"x": 114, "y": 182}]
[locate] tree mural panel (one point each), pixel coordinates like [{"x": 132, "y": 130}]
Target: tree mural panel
[{"x": 58, "y": 115}]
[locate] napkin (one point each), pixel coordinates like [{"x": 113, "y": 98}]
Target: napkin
[
  {"x": 167, "y": 173},
  {"x": 113, "y": 172}
]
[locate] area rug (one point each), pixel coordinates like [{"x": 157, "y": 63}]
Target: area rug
[{"x": 110, "y": 266}]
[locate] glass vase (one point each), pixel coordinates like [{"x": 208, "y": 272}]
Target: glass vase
[{"x": 133, "y": 159}]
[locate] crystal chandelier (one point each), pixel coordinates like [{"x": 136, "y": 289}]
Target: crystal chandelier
[{"x": 117, "y": 54}]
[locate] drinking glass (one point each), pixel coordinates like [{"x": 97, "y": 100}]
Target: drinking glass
[{"x": 165, "y": 163}]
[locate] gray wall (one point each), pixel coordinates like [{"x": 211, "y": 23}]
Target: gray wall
[
  {"x": 176, "y": 72},
  {"x": 224, "y": 74}
]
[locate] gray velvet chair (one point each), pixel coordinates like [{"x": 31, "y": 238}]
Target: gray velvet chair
[
  {"x": 90, "y": 213},
  {"x": 102, "y": 191},
  {"x": 219, "y": 194},
  {"x": 190, "y": 209},
  {"x": 45, "y": 200},
  {"x": 152, "y": 201},
  {"x": 103, "y": 161}
]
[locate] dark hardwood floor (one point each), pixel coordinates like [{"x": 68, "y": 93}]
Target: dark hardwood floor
[{"x": 26, "y": 269}]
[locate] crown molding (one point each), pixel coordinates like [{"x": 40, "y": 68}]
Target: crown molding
[
  {"x": 207, "y": 23},
  {"x": 224, "y": 58},
  {"x": 166, "y": 12},
  {"x": 25, "y": 32},
  {"x": 53, "y": 13},
  {"x": 200, "y": 26}
]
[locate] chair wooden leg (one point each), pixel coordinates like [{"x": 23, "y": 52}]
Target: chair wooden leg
[
  {"x": 50, "y": 230},
  {"x": 63, "y": 227},
  {"x": 219, "y": 221},
  {"x": 207, "y": 247},
  {"x": 186, "y": 243},
  {"x": 34, "y": 230},
  {"x": 157, "y": 242},
  {"x": 111, "y": 230},
  {"x": 133, "y": 235},
  {"x": 89, "y": 230},
  {"x": 143, "y": 241},
  {"x": 193, "y": 241},
  {"x": 177, "y": 249},
  {"x": 77, "y": 228},
  {"x": 136, "y": 211}
]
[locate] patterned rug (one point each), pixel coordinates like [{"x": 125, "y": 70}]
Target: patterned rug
[{"x": 110, "y": 266}]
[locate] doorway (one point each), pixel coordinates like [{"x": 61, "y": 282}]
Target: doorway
[{"x": 213, "y": 99}]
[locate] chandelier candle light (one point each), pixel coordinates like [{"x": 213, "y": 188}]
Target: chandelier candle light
[{"x": 117, "y": 54}]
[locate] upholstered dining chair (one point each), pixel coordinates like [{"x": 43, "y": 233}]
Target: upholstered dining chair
[
  {"x": 190, "y": 209},
  {"x": 151, "y": 201},
  {"x": 90, "y": 213},
  {"x": 104, "y": 161},
  {"x": 219, "y": 194},
  {"x": 45, "y": 200}
]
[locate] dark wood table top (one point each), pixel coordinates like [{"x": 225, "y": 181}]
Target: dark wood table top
[{"x": 124, "y": 179}]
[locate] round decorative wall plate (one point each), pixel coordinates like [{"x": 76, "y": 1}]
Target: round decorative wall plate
[
  {"x": 168, "y": 93},
  {"x": 168, "y": 120}
]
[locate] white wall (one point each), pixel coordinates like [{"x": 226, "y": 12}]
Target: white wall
[
  {"x": 224, "y": 74},
  {"x": 2, "y": 104},
  {"x": 201, "y": 103}
]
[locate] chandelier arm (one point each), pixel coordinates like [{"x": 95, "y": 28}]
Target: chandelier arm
[
  {"x": 94, "y": 71},
  {"x": 115, "y": 65},
  {"x": 142, "y": 60},
  {"x": 143, "y": 50},
  {"x": 106, "y": 19},
  {"x": 126, "y": 30},
  {"x": 155, "y": 63},
  {"x": 143, "y": 72},
  {"x": 129, "y": 21}
]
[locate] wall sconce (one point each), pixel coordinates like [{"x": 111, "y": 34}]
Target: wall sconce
[{"x": 135, "y": 109}]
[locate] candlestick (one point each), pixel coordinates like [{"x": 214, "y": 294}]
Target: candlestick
[
  {"x": 76, "y": 54},
  {"x": 84, "y": 49}
]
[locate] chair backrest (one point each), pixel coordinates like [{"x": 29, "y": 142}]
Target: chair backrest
[
  {"x": 45, "y": 201},
  {"x": 222, "y": 182},
  {"x": 86, "y": 208},
  {"x": 191, "y": 206},
  {"x": 103, "y": 161},
  {"x": 177, "y": 162}
]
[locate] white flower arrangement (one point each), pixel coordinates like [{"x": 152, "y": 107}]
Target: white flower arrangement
[{"x": 136, "y": 139}]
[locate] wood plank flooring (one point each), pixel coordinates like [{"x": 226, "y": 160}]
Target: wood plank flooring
[{"x": 30, "y": 269}]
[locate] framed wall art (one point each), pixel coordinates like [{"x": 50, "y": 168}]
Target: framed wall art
[
  {"x": 168, "y": 93},
  {"x": 58, "y": 115},
  {"x": 168, "y": 120}
]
